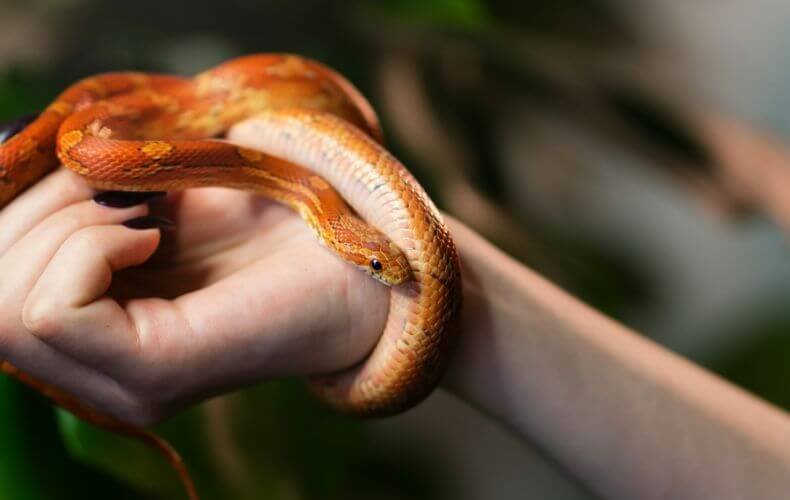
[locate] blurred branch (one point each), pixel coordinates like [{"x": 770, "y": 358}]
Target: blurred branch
[
  {"x": 407, "y": 105},
  {"x": 495, "y": 71},
  {"x": 753, "y": 166},
  {"x": 450, "y": 158}
]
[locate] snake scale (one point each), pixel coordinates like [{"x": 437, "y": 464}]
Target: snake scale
[{"x": 318, "y": 151}]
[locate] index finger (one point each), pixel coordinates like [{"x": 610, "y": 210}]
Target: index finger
[{"x": 55, "y": 192}]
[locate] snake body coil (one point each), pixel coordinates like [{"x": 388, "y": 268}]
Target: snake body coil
[{"x": 135, "y": 131}]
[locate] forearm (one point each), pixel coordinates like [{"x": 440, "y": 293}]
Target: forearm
[{"x": 628, "y": 418}]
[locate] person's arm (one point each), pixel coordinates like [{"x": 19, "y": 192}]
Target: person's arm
[{"x": 625, "y": 416}]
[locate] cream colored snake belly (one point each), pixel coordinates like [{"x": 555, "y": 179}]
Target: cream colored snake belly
[{"x": 408, "y": 360}]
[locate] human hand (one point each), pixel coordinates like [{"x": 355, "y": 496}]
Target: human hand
[{"x": 140, "y": 322}]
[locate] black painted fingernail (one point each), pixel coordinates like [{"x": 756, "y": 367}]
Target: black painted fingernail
[
  {"x": 13, "y": 127},
  {"x": 125, "y": 199},
  {"x": 150, "y": 222}
]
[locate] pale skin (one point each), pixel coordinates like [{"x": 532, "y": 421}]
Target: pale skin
[{"x": 246, "y": 294}]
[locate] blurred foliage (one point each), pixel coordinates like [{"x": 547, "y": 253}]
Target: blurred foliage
[
  {"x": 470, "y": 14},
  {"x": 762, "y": 366},
  {"x": 476, "y": 62},
  {"x": 34, "y": 465},
  {"x": 272, "y": 441},
  {"x": 23, "y": 92}
]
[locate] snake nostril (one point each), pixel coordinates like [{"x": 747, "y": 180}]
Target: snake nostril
[{"x": 13, "y": 127}]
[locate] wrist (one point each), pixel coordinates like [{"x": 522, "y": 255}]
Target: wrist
[{"x": 484, "y": 316}]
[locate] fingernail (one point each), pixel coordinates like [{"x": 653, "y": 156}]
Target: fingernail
[
  {"x": 13, "y": 127},
  {"x": 125, "y": 199},
  {"x": 150, "y": 222}
]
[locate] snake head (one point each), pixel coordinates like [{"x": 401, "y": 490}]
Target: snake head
[
  {"x": 388, "y": 265},
  {"x": 370, "y": 250}
]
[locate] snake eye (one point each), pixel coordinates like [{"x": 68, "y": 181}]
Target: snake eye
[
  {"x": 376, "y": 265},
  {"x": 10, "y": 129}
]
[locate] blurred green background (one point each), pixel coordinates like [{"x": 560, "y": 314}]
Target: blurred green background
[{"x": 583, "y": 137}]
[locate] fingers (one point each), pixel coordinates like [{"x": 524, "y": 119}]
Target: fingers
[
  {"x": 51, "y": 217},
  {"x": 24, "y": 262},
  {"x": 71, "y": 330},
  {"x": 53, "y": 193},
  {"x": 67, "y": 308}
]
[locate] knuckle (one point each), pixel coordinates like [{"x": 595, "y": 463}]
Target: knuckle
[
  {"x": 84, "y": 241},
  {"x": 153, "y": 358},
  {"x": 156, "y": 375},
  {"x": 42, "y": 318},
  {"x": 68, "y": 218}
]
